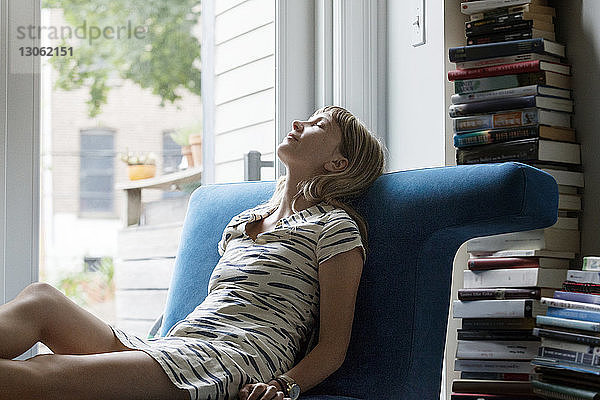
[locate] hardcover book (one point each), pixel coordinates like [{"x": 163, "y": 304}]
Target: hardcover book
[
  {"x": 478, "y": 52},
  {"x": 501, "y": 135},
  {"x": 549, "y": 238},
  {"x": 497, "y": 323},
  {"x": 530, "y": 90},
  {"x": 509, "y": 81},
  {"x": 579, "y": 297},
  {"x": 567, "y": 337},
  {"x": 576, "y": 305},
  {"x": 570, "y": 178},
  {"x": 568, "y": 323},
  {"x": 526, "y": 150},
  {"x": 488, "y": 62},
  {"x": 508, "y": 36},
  {"x": 555, "y": 391},
  {"x": 522, "y": 277},
  {"x": 473, "y": 7},
  {"x": 491, "y": 387},
  {"x": 499, "y": 12},
  {"x": 498, "y": 350},
  {"x": 510, "y": 308},
  {"x": 507, "y": 18},
  {"x": 507, "y": 69},
  {"x": 512, "y": 119},
  {"x": 591, "y": 263},
  {"x": 503, "y": 293},
  {"x": 510, "y": 103},
  {"x": 578, "y": 276},
  {"x": 524, "y": 253},
  {"x": 498, "y": 334},
  {"x": 582, "y": 315},
  {"x": 517, "y": 367},
  {"x": 483, "y": 263}
]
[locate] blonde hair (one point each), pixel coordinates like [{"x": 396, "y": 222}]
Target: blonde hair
[{"x": 365, "y": 156}]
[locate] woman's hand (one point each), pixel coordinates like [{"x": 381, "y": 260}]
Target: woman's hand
[{"x": 262, "y": 391}]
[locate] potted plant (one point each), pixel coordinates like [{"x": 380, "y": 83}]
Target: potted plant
[{"x": 140, "y": 166}]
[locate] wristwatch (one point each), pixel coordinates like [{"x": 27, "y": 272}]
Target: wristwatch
[{"x": 290, "y": 388}]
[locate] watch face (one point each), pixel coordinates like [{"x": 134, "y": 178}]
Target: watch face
[{"x": 294, "y": 391}]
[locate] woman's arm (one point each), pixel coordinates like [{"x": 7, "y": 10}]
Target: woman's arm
[{"x": 338, "y": 282}]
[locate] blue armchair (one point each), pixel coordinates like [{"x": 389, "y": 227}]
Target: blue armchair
[{"x": 417, "y": 220}]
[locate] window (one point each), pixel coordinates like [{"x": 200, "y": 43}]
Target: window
[
  {"x": 96, "y": 171},
  {"x": 171, "y": 153}
]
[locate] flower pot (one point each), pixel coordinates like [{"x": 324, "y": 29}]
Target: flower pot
[
  {"x": 141, "y": 171},
  {"x": 187, "y": 152},
  {"x": 196, "y": 145}
]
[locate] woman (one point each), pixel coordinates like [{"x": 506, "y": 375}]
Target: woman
[{"x": 289, "y": 269}]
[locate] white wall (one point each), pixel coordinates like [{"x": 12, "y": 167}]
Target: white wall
[
  {"x": 416, "y": 81},
  {"x": 578, "y": 28}
]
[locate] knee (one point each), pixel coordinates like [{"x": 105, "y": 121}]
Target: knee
[{"x": 38, "y": 297}]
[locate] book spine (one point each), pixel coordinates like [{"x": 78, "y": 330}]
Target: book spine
[
  {"x": 500, "y": 37},
  {"x": 479, "y": 107},
  {"x": 567, "y": 337},
  {"x": 583, "y": 276},
  {"x": 504, "y": 350},
  {"x": 492, "y": 309},
  {"x": 496, "y": 152},
  {"x": 499, "y": 82},
  {"x": 493, "y": 366},
  {"x": 558, "y": 303},
  {"x": 583, "y": 315},
  {"x": 494, "y": 20},
  {"x": 497, "y": 323},
  {"x": 483, "y": 72},
  {"x": 581, "y": 287},
  {"x": 488, "y": 5},
  {"x": 523, "y": 335},
  {"x": 499, "y": 262},
  {"x": 495, "y": 94},
  {"x": 591, "y": 263},
  {"x": 504, "y": 119},
  {"x": 497, "y": 294},
  {"x": 570, "y": 356},
  {"x": 471, "y": 53},
  {"x": 498, "y": 12},
  {"x": 580, "y": 297},
  {"x": 496, "y": 376},
  {"x": 568, "y": 323},
  {"x": 561, "y": 392},
  {"x": 499, "y": 28}
]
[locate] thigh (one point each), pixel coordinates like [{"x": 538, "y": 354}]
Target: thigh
[
  {"x": 66, "y": 327},
  {"x": 127, "y": 375}
]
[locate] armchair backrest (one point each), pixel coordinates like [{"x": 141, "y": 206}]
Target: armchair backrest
[{"x": 417, "y": 220}]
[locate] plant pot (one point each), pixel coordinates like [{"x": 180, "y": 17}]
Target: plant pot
[
  {"x": 187, "y": 152},
  {"x": 196, "y": 145},
  {"x": 141, "y": 171}
]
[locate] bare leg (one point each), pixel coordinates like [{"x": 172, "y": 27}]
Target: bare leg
[
  {"x": 40, "y": 313},
  {"x": 121, "y": 375}
]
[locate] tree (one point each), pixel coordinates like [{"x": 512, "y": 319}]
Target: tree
[{"x": 162, "y": 55}]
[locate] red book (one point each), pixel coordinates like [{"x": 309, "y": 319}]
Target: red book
[
  {"x": 509, "y": 69},
  {"x": 485, "y": 263}
]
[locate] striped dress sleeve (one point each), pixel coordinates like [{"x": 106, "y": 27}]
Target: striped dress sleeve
[{"x": 340, "y": 234}]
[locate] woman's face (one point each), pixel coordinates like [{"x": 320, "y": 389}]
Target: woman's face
[{"x": 312, "y": 146}]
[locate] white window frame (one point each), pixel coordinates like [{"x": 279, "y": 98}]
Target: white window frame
[{"x": 19, "y": 150}]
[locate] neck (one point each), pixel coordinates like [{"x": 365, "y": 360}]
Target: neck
[{"x": 290, "y": 190}]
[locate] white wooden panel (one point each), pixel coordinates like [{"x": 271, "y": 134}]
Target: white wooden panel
[
  {"x": 246, "y": 48},
  {"x": 245, "y": 80},
  {"x": 149, "y": 242},
  {"x": 144, "y": 274},
  {"x": 243, "y": 18},
  {"x": 224, "y": 5},
  {"x": 259, "y": 107},
  {"x": 140, "y": 304},
  {"x": 233, "y": 171},
  {"x": 139, "y": 328},
  {"x": 233, "y": 145}
]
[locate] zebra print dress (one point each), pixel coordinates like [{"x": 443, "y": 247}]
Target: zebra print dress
[{"x": 261, "y": 312}]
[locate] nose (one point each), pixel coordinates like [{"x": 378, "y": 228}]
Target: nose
[{"x": 298, "y": 126}]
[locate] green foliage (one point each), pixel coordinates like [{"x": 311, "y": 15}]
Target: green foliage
[
  {"x": 165, "y": 58},
  {"x": 90, "y": 286},
  {"x": 182, "y": 136}
]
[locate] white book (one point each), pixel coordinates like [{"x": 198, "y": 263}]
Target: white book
[
  {"x": 569, "y": 202},
  {"x": 569, "y": 178},
  {"x": 514, "y": 277},
  {"x": 490, "y": 62},
  {"x": 473, "y": 7},
  {"x": 564, "y": 189},
  {"x": 576, "y": 305},
  {"x": 558, "y": 151},
  {"x": 577, "y": 347},
  {"x": 524, "y": 253},
  {"x": 514, "y": 367},
  {"x": 503, "y": 350},
  {"x": 575, "y": 275},
  {"x": 571, "y": 223},
  {"x": 549, "y": 238},
  {"x": 513, "y": 308},
  {"x": 591, "y": 263}
]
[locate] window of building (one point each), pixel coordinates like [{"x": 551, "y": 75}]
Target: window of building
[{"x": 96, "y": 171}]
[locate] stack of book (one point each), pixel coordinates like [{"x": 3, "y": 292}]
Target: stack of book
[
  {"x": 568, "y": 362},
  {"x": 512, "y": 103}
]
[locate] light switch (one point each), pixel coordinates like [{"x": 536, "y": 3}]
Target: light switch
[{"x": 417, "y": 12}]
